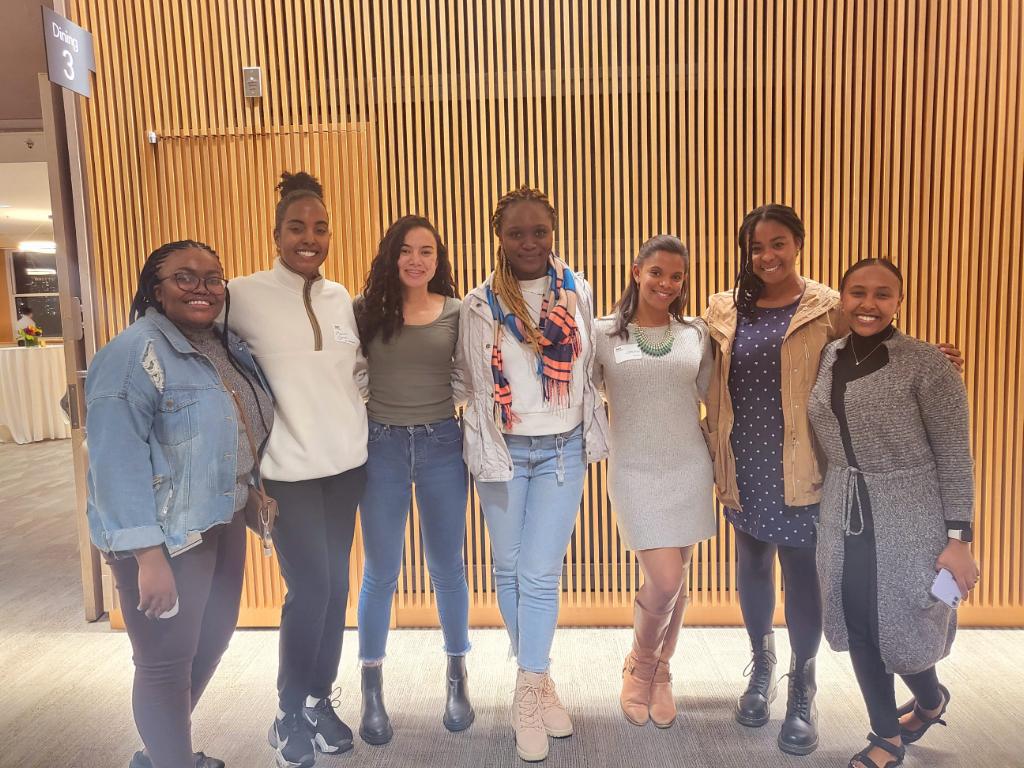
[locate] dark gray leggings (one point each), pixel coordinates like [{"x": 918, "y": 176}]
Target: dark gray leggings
[{"x": 175, "y": 658}]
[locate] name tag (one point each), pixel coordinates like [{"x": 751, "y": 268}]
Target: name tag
[
  {"x": 625, "y": 352},
  {"x": 342, "y": 336}
]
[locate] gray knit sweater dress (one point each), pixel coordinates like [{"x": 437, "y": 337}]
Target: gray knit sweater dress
[
  {"x": 660, "y": 476},
  {"x": 909, "y": 426}
]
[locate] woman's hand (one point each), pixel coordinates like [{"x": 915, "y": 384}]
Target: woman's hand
[
  {"x": 157, "y": 590},
  {"x": 953, "y": 355},
  {"x": 957, "y": 559}
]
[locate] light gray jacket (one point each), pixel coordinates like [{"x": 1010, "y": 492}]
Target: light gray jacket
[
  {"x": 909, "y": 425},
  {"x": 483, "y": 446}
]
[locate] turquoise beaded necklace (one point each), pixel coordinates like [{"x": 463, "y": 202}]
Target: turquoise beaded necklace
[{"x": 658, "y": 348}]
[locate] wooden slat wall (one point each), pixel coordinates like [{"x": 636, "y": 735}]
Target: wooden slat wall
[{"x": 893, "y": 127}]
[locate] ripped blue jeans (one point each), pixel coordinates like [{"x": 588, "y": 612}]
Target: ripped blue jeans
[{"x": 530, "y": 519}]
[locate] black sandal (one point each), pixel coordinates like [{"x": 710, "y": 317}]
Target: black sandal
[
  {"x": 909, "y": 736},
  {"x": 877, "y": 741}
]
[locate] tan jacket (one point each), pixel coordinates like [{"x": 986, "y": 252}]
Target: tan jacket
[{"x": 816, "y": 323}]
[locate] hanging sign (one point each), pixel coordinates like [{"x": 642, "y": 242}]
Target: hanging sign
[{"x": 69, "y": 57}]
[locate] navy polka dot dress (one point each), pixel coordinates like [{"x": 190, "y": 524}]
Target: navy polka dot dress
[{"x": 755, "y": 385}]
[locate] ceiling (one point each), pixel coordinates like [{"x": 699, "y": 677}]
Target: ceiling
[
  {"x": 24, "y": 203},
  {"x": 22, "y": 57}
]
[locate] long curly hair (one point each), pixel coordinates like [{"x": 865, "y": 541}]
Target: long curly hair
[
  {"x": 505, "y": 283},
  {"x": 749, "y": 286},
  {"x": 380, "y": 310}
]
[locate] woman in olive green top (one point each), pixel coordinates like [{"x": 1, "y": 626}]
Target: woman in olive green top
[{"x": 409, "y": 324}]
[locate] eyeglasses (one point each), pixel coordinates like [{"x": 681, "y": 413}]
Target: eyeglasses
[{"x": 187, "y": 281}]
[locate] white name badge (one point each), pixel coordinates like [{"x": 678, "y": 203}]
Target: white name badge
[
  {"x": 625, "y": 352},
  {"x": 342, "y": 336}
]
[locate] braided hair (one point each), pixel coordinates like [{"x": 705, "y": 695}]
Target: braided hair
[
  {"x": 145, "y": 298},
  {"x": 293, "y": 187},
  {"x": 505, "y": 283},
  {"x": 749, "y": 286},
  {"x": 149, "y": 278},
  {"x": 626, "y": 306},
  {"x": 381, "y": 308}
]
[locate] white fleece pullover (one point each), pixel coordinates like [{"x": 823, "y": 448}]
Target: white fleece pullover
[{"x": 303, "y": 334}]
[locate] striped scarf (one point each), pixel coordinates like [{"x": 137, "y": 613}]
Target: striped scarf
[{"x": 559, "y": 342}]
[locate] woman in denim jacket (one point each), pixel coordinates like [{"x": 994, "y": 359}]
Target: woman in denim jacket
[{"x": 170, "y": 470}]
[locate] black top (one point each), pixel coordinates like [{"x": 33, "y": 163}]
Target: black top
[{"x": 862, "y": 355}]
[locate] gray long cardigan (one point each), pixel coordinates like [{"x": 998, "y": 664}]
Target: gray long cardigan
[{"x": 909, "y": 426}]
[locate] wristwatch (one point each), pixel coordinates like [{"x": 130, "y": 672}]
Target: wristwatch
[{"x": 960, "y": 535}]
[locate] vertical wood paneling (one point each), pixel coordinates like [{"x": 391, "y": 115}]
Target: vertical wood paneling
[{"x": 893, "y": 127}]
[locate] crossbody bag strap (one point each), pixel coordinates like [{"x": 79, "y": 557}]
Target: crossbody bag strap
[{"x": 248, "y": 433}]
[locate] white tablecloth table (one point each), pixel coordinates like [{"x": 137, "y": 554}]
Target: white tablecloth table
[{"x": 32, "y": 383}]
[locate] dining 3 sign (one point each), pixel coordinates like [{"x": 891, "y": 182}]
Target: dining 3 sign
[{"x": 69, "y": 54}]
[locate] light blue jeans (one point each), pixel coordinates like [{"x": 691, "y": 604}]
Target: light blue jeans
[
  {"x": 428, "y": 456},
  {"x": 530, "y": 519}
]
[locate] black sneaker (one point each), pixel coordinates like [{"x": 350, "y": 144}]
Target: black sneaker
[
  {"x": 330, "y": 734},
  {"x": 292, "y": 739},
  {"x": 139, "y": 760}
]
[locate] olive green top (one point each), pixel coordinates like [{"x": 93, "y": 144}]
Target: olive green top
[{"x": 411, "y": 374}]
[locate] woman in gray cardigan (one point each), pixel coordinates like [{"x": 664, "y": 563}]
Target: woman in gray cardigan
[{"x": 890, "y": 414}]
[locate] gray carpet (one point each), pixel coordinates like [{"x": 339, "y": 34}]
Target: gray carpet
[{"x": 64, "y": 700}]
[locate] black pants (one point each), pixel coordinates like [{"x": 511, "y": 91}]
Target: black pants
[
  {"x": 860, "y": 607},
  {"x": 313, "y": 538},
  {"x": 175, "y": 658},
  {"x": 755, "y": 561}
]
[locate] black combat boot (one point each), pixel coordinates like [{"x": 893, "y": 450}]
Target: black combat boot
[
  {"x": 799, "y": 734},
  {"x": 752, "y": 707}
]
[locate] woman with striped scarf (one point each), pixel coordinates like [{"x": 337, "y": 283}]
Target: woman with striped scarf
[{"x": 532, "y": 424}]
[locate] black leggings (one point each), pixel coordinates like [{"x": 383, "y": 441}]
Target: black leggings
[
  {"x": 755, "y": 561},
  {"x": 860, "y": 607},
  {"x": 313, "y": 539}
]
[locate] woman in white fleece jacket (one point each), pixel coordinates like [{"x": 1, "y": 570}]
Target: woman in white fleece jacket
[{"x": 302, "y": 330}]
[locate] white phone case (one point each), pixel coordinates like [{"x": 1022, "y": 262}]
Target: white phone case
[{"x": 944, "y": 588}]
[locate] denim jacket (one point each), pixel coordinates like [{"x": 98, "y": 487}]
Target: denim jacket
[{"x": 162, "y": 435}]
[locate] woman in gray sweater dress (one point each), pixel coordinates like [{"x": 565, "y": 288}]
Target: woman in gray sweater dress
[
  {"x": 653, "y": 366},
  {"x": 890, "y": 414}
]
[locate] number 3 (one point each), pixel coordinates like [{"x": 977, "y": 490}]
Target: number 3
[{"x": 69, "y": 70}]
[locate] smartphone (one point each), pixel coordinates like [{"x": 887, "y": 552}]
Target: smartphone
[
  {"x": 944, "y": 588},
  {"x": 174, "y": 610}
]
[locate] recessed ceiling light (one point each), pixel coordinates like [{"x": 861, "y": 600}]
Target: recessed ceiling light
[{"x": 38, "y": 246}]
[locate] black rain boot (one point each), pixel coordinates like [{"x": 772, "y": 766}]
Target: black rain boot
[
  {"x": 752, "y": 707},
  {"x": 458, "y": 712},
  {"x": 799, "y": 734},
  {"x": 375, "y": 726}
]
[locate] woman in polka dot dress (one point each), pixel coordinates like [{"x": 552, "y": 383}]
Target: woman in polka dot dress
[{"x": 767, "y": 337}]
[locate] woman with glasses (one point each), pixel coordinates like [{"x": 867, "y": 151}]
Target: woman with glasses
[{"x": 164, "y": 503}]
